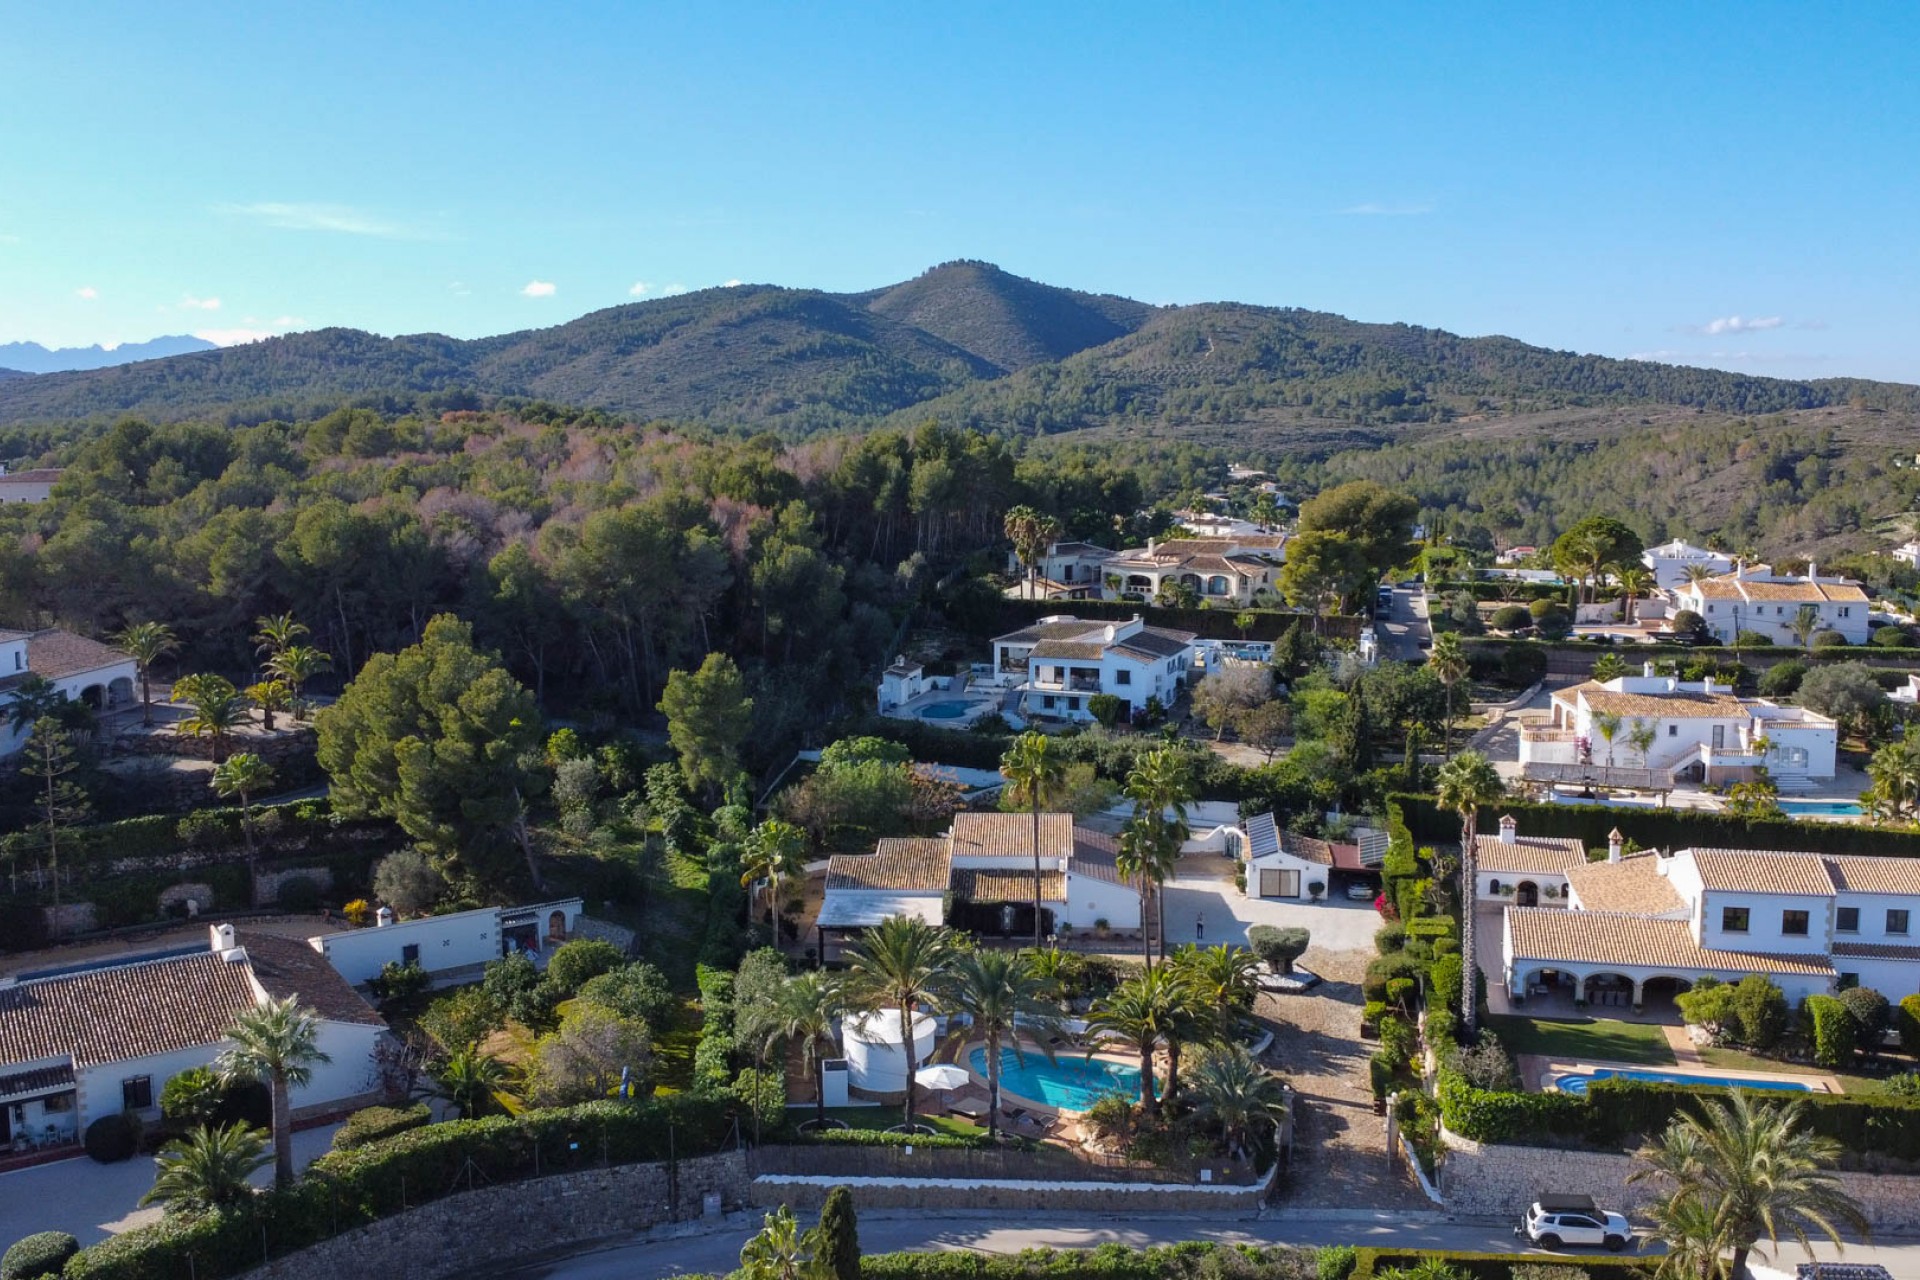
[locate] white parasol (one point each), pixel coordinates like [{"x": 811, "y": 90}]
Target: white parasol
[{"x": 942, "y": 1076}]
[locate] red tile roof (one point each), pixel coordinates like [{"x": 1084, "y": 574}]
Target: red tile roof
[{"x": 131, "y": 1011}]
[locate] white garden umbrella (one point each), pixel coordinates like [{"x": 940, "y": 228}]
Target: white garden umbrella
[{"x": 942, "y": 1076}]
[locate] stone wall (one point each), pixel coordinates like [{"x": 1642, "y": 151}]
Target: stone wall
[
  {"x": 201, "y": 895},
  {"x": 480, "y": 1232},
  {"x": 805, "y": 1193},
  {"x": 1501, "y": 1180},
  {"x": 266, "y": 884}
]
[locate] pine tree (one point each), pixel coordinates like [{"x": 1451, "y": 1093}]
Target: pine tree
[
  {"x": 837, "y": 1255},
  {"x": 48, "y": 759}
]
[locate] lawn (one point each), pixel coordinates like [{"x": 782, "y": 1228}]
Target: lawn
[
  {"x": 888, "y": 1116},
  {"x": 1738, "y": 1060},
  {"x": 1585, "y": 1040}
]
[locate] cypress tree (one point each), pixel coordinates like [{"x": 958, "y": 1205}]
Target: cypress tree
[{"x": 838, "y": 1253}]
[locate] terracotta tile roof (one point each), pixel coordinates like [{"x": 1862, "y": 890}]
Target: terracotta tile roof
[
  {"x": 129, "y": 1011},
  {"x": 1096, "y": 855},
  {"x": 1876, "y": 951},
  {"x": 1857, "y": 874},
  {"x": 984, "y": 884},
  {"x": 910, "y": 865},
  {"x": 1307, "y": 848},
  {"x": 1003, "y": 835},
  {"x": 288, "y": 967},
  {"x": 39, "y": 475},
  {"x": 55, "y": 654},
  {"x": 1728, "y": 587},
  {"x": 36, "y": 1079},
  {"x": 1654, "y": 705},
  {"x": 1529, "y": 853},
  {"x": 1762, "y": 871},
  {"x": 1633, "y": 886},
  {"x": 1555, "y": 935},
  {"x": 1069, "y": 649}
]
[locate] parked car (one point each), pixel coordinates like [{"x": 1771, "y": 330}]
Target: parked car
[
  {"x": 1555, "y": 1221},
  {"x": 1358, "y": 892}
]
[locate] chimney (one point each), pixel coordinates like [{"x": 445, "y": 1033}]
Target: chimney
[
  {"x": 1509, "y": 830},
  {"x": 1813, "y": 571},
  {"x": 383, "y": 917},
  {"x": 1614, "y": 843},
  {"x": 1706, "y": 684},
  {"x": 221, "y": 936},
  {"x": 1646, "y": 669},
  {"x": 1151, "y": 544}
]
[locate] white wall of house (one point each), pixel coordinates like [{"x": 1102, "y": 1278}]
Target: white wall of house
[
  {"x": 100, "y": 1086},
  {"x": 1766, "y": 922},
  {"x": 1501, "y": 886},
  {"x": 1670, "y": 561},
  {"x": 443, "y": 942},
  {"x": 350, "y": 1045},
  {"x": 1090, "y": 900},
  {"x": 1800, "y": 749},
  {"x": 1894, "y": 979},
  {"x": 1283, "y": 876},
  {"x": 1885, "y": 918},
  {"x": 1061, "y": 687},
  {"x": 105, "y": 687},
  {"x": 1774, "y": 618}
]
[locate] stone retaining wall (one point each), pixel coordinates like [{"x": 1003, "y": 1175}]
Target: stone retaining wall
[
  {"x": 478, "y": 1232},
  {"x": 1499, "y": 1179},
  {"x": 804, "y": 1193}
]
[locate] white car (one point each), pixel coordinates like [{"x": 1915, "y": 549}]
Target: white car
[
  {"x": 1556, "y": 1221},
  {"x": 1359, "y": 892}
]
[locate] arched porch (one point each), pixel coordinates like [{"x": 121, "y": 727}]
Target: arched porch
[
  {"x": 1526, "y": 894},
  {"x": 1568, "y": 989}
]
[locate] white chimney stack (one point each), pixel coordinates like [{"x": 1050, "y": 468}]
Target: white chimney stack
[
  {"x": 222, "y": 938},
  {"x": 1646, "y": 669},
  {"x": 383, "y": 917},
  {"x": 1706, "y": 684},
  {"x": 1509, "y": 830},
  {"x": 1615, "y": 841}
]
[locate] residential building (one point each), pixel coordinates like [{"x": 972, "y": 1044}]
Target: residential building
[
  {"x": 99, "y": 1038},
  {"x": 901, "y": 683},
  {"x": 1701, "y": 731},
  {"x": 1234, "y": 570},
  {"x": 1528, "y": 869},
  {"x": 1670, "y": 562},
  {"x": 1748, "y": 601},
  {"x": 1517, "y": 555},
  {"x": 28, "y": 486},
  {"x": 1069, "y": 571},
  {"x": 82, "y": 669},
  {"x": 448, "y": 944},
  {"x": 1060, "y": 662},
  {"x": 1908, "y": 553},
  {"x": 1651, "y": 924},
  {"x": 979, "y": 876},
  {"x": 1286, "y": 864}
]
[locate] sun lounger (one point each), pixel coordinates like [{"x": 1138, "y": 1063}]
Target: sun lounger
[{"x": 968, "y": 1108}]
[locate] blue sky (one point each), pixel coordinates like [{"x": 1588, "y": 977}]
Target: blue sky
[{"x": 1714, "y": 184}]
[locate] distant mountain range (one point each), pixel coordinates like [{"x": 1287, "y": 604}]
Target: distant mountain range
[
  {"x": 31, "y": 357},
  {"x": 964, "y": 343}
]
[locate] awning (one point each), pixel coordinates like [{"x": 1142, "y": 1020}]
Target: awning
[{"x": 864, "y": 910}]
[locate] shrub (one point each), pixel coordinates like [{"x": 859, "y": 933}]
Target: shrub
[
  {"x": 298, "y": 893},
  {"x": 1278, "y": 947},
  {"x": 1397, "y": 1041},
  {"x": 1401, "y": 992},
  {"x": 191, "y": 1098},
  {"x": 1870, "y": 1012},
  {"x": 1447, "y": 975},
  {"x": 396, "y": 981},
  {"x": 408, "y": 882},
  {"x": 1522, "y": 665},
  {"x": 43, "y": 1253},
  {"x": 1688, "y": 623},
  {"x": 1891, "y": 637},
  {"x": 1390, "y": 938},
  {"x": 712, "y": 1066},
  {"x": 1547, "y": 1271},
  {"x": 1830, "y": 640},
  {"x": 1511, "y": 617},
  {"x": 1486, "y": 1065},
  {"x": 375, "y": 1124},
  {"x": 463, "y": 1016},
  {"x": 1782, "y": 680},
  {"x": 1335, "y": 1261},
  {"x": 633, "y": 991},
  {"x": 1381, "y": 1068},
  {"x": 359, "y": 913},
  {"x": 111, "y": 1139},
  {"x": 1107, "y": 708},
  {"x": 1554, "y": 624},
  {"x": 1760, "y": 1011},
  {"x": 1835, "y": 1033},
  {"x": 247, "y": 1102},
  {"x": 838, "y": 1254},
  {"x": 1908, "y": 1022}
]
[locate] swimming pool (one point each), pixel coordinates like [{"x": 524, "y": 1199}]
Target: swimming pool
[
  {"x": 1070, "y": 1082},
  {"x": 1577, "y": 1081},
  {"x": 1830, "y": 808},
  {"x": 950, "y": 709}
]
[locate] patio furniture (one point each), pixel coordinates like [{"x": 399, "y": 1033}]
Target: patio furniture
[{"x": 968, "y": 1108}]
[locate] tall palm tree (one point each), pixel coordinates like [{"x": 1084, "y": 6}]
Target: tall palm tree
[
  {"x": 470, "y": 1081},
  {"x": 1465, "y": 783},
  {"x": 1758, "y": 1171},
  {"x": 1146, "y": 858},
  {"x": 278, "y": 633},
  {"x": 900, "y": 964},
  {"x": 1641, "y": 737},
  {"x": 774, "y": 851},
  {"x": 1034, "y": 777},
  {"x": 245, "y": 775},
  {"x": 804, "y": 1012},
  {"x": 208, "y": 1168},
  {"x": 1160, "y": 784},
  {"x": 1448, "y": 662},
  {"x": 277, "y": 1043},
  {"x": 1244, "y": 1097},
  {"x": 1000, "y": 991},
  {"x": 1225, "y": 983},
  {"x": 1141, "y": 1012},
  {"x": 1804, "y": 624},
  {"x": 146, "y": 643},
  {"x": 218, "y": 709},
  {"x": 1634, "y": 579},
  {"x": 1696, "y": 1243}
]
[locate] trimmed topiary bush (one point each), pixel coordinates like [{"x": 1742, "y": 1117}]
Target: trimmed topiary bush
[
  {"x": 111, "y": 1139},
  {"x": 43, "y": 1253},
  {"x": 1830, "y": 640},
  {"x": 1782, "y": 680},
  {"x": 1511, "y": 617},
  {"x": 1835, "y": 1033},
  {"x": 1907, "y": 1020},
  {"x": 1278, "y": 947},
  {"x": 372, "y": 1124}
]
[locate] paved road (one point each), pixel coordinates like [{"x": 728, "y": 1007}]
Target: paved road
[
  {"x": 1401, "y": 632},
  {"x": 718, "y": 1251}
]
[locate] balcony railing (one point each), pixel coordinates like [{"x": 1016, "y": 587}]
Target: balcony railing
[{"x": 1548, "y": 735}]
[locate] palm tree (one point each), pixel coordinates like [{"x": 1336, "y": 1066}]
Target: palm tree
[
  {"x": 218, "y": 709},
  {"x": 1448, "y": 662},
  {"x": 1242, "y": 1096},
  {"x": 1160, "y": 784},
  {"x": 1031, "y": 533},
  {"x": 1000, "y": 991},
  {"x": 780, "y": 1251},
  {"x": 277, "y": 1043},
  {"x": 1893, "y": 799},
  {"x": 804, "y": 1012},
  {"x": 1757, "y": 1170},
  {"x": 469, "y": 1080},
  {"x": 1146, "y": 858},
  {"x": 1464, "y": 784},
  {"x": 271, "y": 696},
  {"x": 899, "y": 965},
  {"x": 1693, "y": 1236},
  {"x": 774, "y": 851},
  {"x": 1225, "y": 983},
  {"x": 245, "y": 775},
  {"x": 1699, "y": 572},
  {"x": 1634, "y": 579},
  {"x": 146, "y": 643},
  {"x": 1141, "y": 1012},
  {"x": 297, "y": 665},
  {"x": 278, "y": 633},
  {"x": 208, "y": 1168},
  {"x": 1034, "y": 776},
  {"x": 1641, "y": 738},
  {"x": 1607, "y": 724},
  {"x": 1804, "y": 624}
]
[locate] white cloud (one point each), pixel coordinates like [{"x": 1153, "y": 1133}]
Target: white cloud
[
  {"x": 669, "y": 290},
  {"x": 234, "y": 337},
  {"x": 1373, "y": 209},
  {"x": 297, "y": 216},
  {"x": 539, "y": 289},
  {"x": 1739, "y": 324},
  {"x": 86, "y": 293},
  {"x": 640, "y": 289},
  {"x": 190, "y": 303},
  {"x": 731, "y": 284}
]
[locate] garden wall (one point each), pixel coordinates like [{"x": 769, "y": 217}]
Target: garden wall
[
  {"x": 1500, "y": 1180},
  {"x": 808, "y": 1193},
  {"x": 475, "y": 1232}
]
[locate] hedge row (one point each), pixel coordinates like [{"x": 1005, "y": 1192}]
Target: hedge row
[
  {"x": 1657, "y": 828},
  {"x": 347, "y": 1189},
  {"x": 922, "y": 1141},
  {"x": 1493, "y": 1266},
  {"x": 1196, "y": 1258}
]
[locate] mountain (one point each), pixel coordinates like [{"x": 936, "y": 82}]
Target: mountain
[
  {"x": 13, "y": 373},
  {"x": 31, "y": 357},
  {"x": 963, "y": 344}
]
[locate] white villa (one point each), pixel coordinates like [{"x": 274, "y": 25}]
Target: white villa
[
  {"x": 1069, "y": 571},
  {"x": 1286, "y": 864},
  {"x": 1060, "y": 662},
  {"x": 1702, "y": 731},
  {"x": 446, "y": 944},
  {"x": 1671, "y": 560},
  {"x": 35, "y": 485},
  {"x": 1908, "y": 553},
  {"x": 1655, "y": 923},
  {"x": 84, "y": 670},
  {"x": 103, "y": 1037},
  {"x": 980, "y": 874},
  {"x": 1746, "y": 601},
  {"x": 1230, "y": 570}
]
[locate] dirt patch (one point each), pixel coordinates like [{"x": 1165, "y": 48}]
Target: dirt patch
[{"x": 1339, "y": 1155}]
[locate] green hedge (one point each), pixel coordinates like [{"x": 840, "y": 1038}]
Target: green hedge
[
  {"x": 1189, "y": 1260},
  {"x": 376, "y": 1124},
  {"x": 881, "y": 1138},
  {"x": 1493, "y": 1266},
  {"x": 1218, "y": 624}
]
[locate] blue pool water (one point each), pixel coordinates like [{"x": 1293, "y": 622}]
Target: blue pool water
[
  {"x": 951, "y": 709},
  {"x": 1847, "y": 808},
  {"x": 1070, "y": 1082},
  {"x": 1577, "y": 1081}
]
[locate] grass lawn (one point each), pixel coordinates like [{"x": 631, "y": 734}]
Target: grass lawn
[
  {"x": 1585, "y": 1040},
  {"x": 887, "y": 1117},
  {"x": 1737, "y": 1060}
]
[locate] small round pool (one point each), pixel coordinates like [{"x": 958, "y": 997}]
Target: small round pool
[
  {"x": 1576, "y": 1082},
  {"x": 1070, "y": 1082},
  {"x": 950, "y": 709}
]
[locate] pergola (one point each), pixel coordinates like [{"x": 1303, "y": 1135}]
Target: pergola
[{"x": 1545, "y": 777}]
